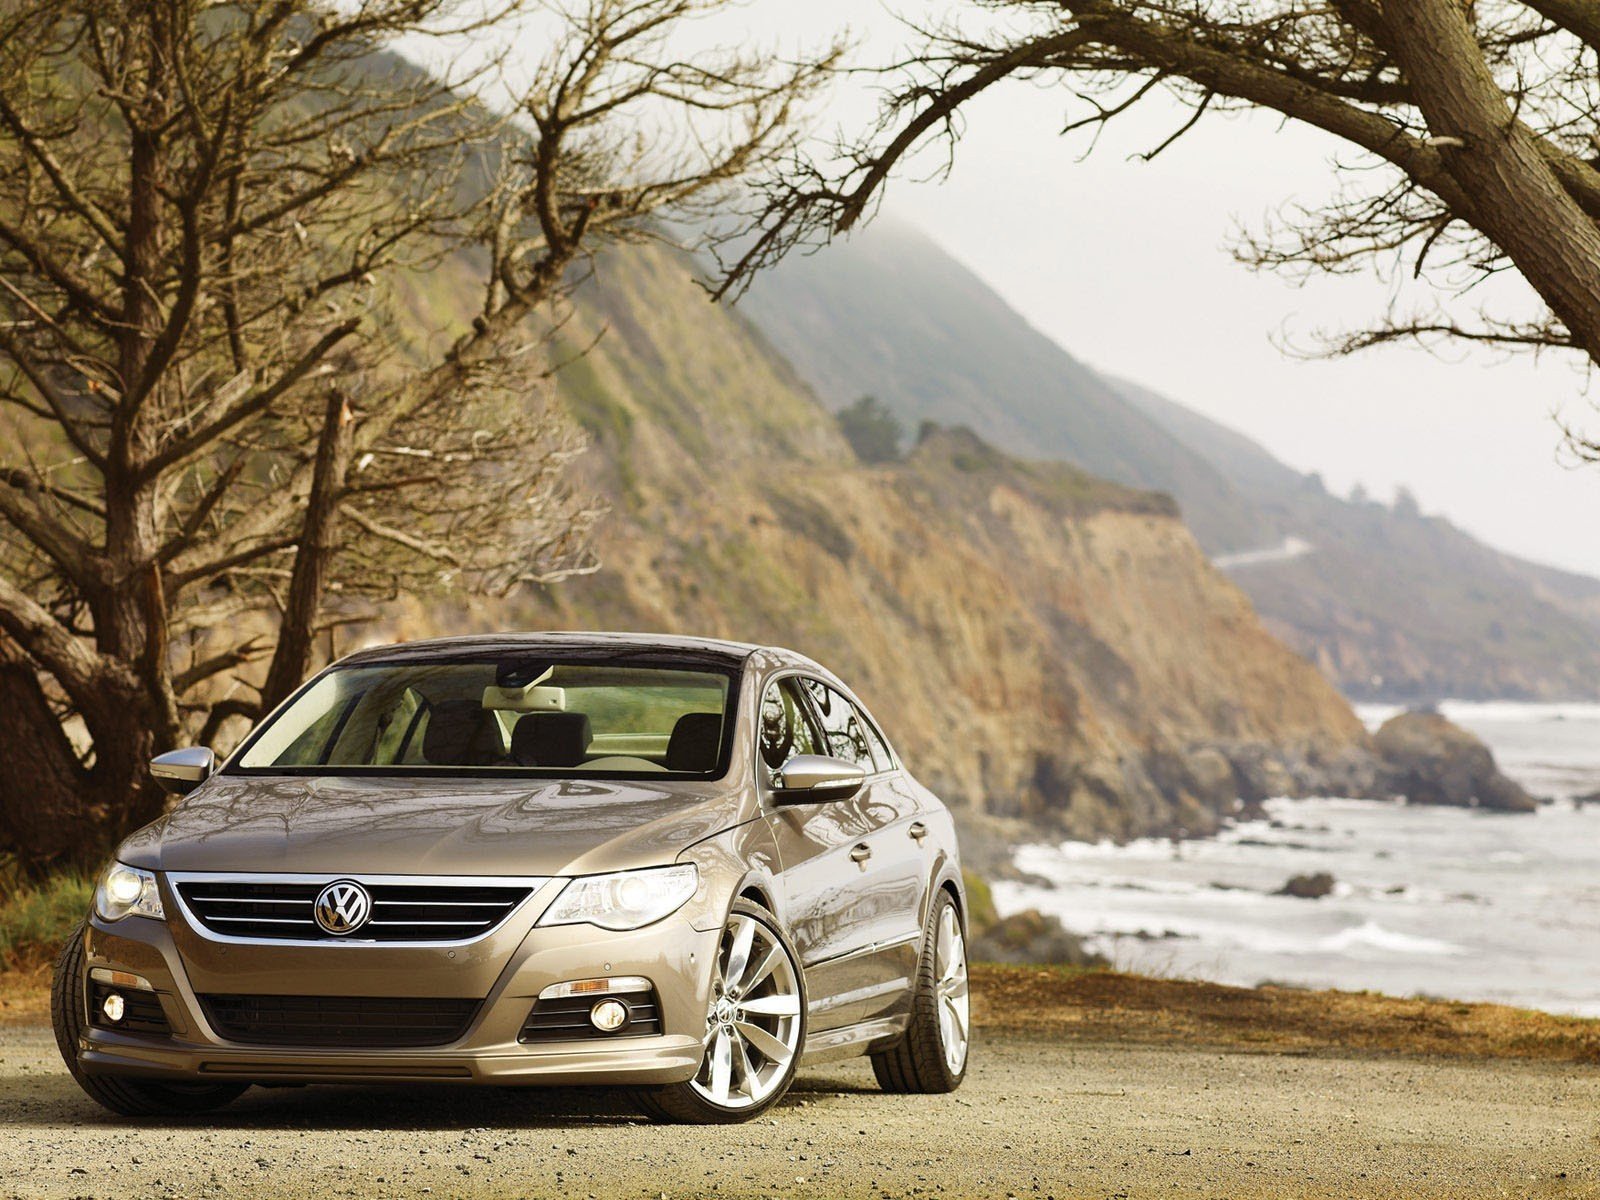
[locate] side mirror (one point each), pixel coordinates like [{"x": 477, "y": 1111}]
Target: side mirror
[
  {"x": 816, "y": 779},
  {"x": 179, "y": 772}
]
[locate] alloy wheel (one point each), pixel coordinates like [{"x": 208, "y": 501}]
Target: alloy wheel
[
  {"x": 753, "y": 1026},
  {"x": 955, "y": 1002}
]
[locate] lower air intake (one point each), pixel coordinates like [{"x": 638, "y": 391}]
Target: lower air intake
[{"x": 335, "y": 1022}]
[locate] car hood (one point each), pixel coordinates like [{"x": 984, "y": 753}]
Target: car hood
[{"x": 355, "y": 826}]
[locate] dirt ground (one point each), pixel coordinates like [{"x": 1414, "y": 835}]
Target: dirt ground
[{"x": 1081, "y": 1086}]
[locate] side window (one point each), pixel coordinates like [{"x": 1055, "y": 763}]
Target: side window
[
  {"x": 880, "y": 750},
  {"x": 846, "y": 738},
  {"x": 785, "y": 731}
]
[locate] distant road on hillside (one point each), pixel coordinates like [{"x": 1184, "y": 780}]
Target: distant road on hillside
[{"x": 1285, "y": 551}]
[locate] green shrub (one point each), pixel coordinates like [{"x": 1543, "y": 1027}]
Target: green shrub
[
  {"x": 34, "y": 921},
  {"x": 981, "y": 914},
  {"x": 872, "y": 430}
]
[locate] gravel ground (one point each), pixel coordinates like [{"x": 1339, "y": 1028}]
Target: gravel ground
[{"x": 1036, "y": 1117}]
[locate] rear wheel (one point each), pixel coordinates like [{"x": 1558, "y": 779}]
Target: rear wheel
[
  {"x": 129, "y": 1097},
  {"x": 932, "y": 1057},
  {"x": 755, "y": 1027}
]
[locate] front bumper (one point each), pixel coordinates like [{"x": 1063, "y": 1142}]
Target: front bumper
[{"x": 506, "y": 970}]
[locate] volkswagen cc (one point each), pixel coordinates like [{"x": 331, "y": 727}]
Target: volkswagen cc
[{"x": 678, "y": 865}]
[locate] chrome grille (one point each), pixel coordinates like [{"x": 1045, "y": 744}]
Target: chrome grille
[{"x": 280, "y": 908}]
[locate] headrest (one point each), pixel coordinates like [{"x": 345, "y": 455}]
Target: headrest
[
  {"x": 694, "y": 743},
  {"x": 451, "y": 737},
  {"x": 550, "y": 739}
]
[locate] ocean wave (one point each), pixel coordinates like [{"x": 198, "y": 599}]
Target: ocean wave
[
  {"x": 1369, "y": 935},
  {"x": 1367, "y": 940}
]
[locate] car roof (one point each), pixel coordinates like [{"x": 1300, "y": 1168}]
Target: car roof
[{"x": 571, "y": 642}]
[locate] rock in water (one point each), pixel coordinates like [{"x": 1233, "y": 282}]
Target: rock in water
[
  {"x": 1031, "y": 936},
  {"x": 1432, "y": 760},
  {"x": 1307, "y": 887}
]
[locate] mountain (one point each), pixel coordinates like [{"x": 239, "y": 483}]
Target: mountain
[
  {"x": 891, "y": 315},
  {"x": 1392, "y": 603},
  {"x": 1045, "y": 646},
  {"x": 1388, "y": 602}
]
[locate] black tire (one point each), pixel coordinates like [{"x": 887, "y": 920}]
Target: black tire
[
  {"x": 127, "y": 1096},
  {"x": 918, "y": 1063},
  {"x": 680, "y": 1103}
]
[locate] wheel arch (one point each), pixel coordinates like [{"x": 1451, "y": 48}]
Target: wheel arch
[
  {"x": 754, "y": 890},
  {"x": 946, "y": 877}
]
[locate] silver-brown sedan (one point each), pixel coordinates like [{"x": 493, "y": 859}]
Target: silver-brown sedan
[{"x": 681, "y": 865}]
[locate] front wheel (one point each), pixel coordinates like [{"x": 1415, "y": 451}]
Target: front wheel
[
  {"x": 932, "y": 1057},
  {"x": 755, "y": 1027},
  {"x": 129, "y": 1097}
]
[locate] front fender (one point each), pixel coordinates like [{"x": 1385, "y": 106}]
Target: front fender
[{"x": 743, "y": 858}]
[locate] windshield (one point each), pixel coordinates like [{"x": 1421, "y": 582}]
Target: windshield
[{"x": 488, "y": 716}]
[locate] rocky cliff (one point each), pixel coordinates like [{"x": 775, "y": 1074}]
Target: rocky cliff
[{"x": 1042, "y": 645}]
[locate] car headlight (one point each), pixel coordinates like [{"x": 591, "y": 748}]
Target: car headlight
[
  {"x": 125, "y": 891},
  {"x": 625, "y": 900}
]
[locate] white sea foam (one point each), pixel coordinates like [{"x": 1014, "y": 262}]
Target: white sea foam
[{"x": 1371, "y": 935}]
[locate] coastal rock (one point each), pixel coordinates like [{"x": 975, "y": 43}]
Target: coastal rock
[
  {"x": 1031, "y": 936},
  {"x": 1432, "y": 760},
  {"x": 1211, "y": 779},
  {"x": 1307, "y": 887},
  {"x": 1025, "y": 937},
  {"x": 1263, "y": 773}
]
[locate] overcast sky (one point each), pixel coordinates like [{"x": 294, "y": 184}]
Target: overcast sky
[{"x": 1126, "y": 265}]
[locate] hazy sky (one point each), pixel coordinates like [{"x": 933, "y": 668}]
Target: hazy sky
[{"x": 1126, "y": 265}]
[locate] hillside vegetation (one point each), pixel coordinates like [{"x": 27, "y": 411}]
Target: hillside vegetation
[{"x": 1388, "y": 603}]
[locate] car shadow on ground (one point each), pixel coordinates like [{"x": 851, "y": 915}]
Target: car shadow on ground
[{"x": 53, "y": 1100}]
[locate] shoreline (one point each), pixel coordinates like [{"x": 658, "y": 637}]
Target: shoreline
[{"x": 1416, "y": 900}]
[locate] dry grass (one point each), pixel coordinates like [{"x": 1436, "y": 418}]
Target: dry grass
[
  {"x": 1065, "y": 1004},
  {"x": 25, "y": 997},
  {"x": 1106, "y": 1006}
]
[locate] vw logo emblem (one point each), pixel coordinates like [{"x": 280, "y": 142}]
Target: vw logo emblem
[{"x": 343, "y": 907}]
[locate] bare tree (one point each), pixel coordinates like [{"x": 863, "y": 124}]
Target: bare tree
[
  {"x": 1483, "y": 120},
  {"x": 270, "y": 348}
]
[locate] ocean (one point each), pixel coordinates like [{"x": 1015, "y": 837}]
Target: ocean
[{"x": 1427, "y": 901}]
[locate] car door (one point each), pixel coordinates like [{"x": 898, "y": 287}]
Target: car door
[
  {"x": 814, "y": 842},
  {"x": 889, "y": 856}
]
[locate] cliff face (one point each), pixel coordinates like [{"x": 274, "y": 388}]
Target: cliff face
[{"x": 1041, "y": 645}]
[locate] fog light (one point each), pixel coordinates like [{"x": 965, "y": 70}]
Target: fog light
[
  {"x": 113, "y": 1006},
  {"x": 609, "y": 1016}
]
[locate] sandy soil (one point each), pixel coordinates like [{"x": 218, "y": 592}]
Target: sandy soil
[{"x": 1081, "y": 1086}]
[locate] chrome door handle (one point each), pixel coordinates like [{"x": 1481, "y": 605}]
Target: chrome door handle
[
  {"x": 918, "y": 830},
  {"x": 860, "y": 853}
]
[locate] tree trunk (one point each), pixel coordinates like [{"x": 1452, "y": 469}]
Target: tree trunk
[
  {"x": 1517, "y": 200},
  {"x": 47, "y": 818},
  {"x": 318, "y": 540}
]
